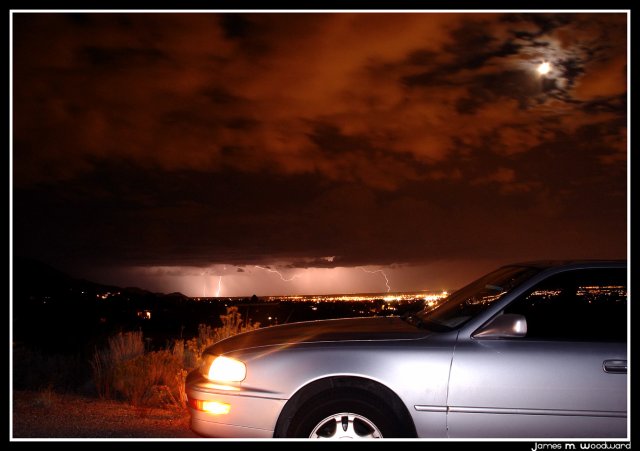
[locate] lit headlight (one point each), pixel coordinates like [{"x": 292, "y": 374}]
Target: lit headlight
[{"x": 224, "y": 369}]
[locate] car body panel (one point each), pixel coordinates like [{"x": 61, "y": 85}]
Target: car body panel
[
  {"x": 342, "y": 330},
  {"x": 557, "y": 383},
  {"x": 478, "y": 425},
  {"x": 250, "y": 416},
  {"x": 418, "y": 377}
]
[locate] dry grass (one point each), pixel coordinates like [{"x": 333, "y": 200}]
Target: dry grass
[
  {"x": 156, "y": 373},
  {"x": 45, "y": 398},
  {"x": 121, "y": 347},
  {"x": 232, "y": 324},
  {"x": 74, "y": 416},
  {"x": 157, "y": 378}
]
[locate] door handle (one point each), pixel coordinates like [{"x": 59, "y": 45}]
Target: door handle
[{"x": 615, "y": 366}]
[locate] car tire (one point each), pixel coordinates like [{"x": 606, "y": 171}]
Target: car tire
[{"x": 344, "y": 414}]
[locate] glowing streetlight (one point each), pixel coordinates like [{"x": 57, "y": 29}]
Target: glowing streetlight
[{"x": 544, "y": 68}]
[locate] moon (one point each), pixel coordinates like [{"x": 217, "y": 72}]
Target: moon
[{"x": 544, "y": 68}]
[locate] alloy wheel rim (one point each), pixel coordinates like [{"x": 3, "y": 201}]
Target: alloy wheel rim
[{"x": 345, "y": 425}]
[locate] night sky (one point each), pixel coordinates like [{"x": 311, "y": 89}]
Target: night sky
[{"x": 306, "y": 153}]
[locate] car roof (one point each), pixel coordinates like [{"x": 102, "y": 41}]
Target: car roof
[{"x": 546, "y": 264}]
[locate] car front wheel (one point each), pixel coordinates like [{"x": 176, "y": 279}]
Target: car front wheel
[{"x": 342, "y": 416}]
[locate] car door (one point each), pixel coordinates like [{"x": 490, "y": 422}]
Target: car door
[{"x": 565, "y": 378}]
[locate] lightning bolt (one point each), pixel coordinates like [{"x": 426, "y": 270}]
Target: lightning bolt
[
  {"x": 386, "y": 279},
  {"x": 219, "y": 286},
  {"x": 279, "y": 274}
]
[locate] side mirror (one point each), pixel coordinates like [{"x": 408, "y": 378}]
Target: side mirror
[{"x": 508, "y": 325}]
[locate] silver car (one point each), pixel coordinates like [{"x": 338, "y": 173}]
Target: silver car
[{"x": 532, "y": 350}]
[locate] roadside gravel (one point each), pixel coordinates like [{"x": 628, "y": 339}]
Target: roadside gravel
[{"x": 51, "y": 415}]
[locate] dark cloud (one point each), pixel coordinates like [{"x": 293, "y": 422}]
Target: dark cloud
[
  {"x": 318, "y": 140},
  {"x": 515, "y": 85},
  {"x": 236, "y": 25}
]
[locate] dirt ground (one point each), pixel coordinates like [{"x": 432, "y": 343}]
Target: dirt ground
[{"x": 51, "y": 415}]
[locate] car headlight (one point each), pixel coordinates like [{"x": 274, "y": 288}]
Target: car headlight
[{"x": 224, "y": 369}]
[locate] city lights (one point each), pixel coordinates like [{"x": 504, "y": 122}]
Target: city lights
[{"x": 367, "y": 297}]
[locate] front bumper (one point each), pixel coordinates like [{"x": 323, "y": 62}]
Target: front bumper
[{"x": 252, "y": 414}]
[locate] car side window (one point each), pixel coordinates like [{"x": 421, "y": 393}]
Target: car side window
[{"x": 584, "y": 305}]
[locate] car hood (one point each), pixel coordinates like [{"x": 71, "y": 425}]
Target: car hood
[{"x": 351, "y": 329}]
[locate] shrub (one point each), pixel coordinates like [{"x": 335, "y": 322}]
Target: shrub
[
  {"x": 154, "y": 373},
  {"x": 120, "y": 348},
  {"x": 158, "y": 377},
  {"x": 232, "y": 324}
]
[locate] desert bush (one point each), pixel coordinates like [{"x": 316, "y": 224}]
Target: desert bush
[
  {"x": 150, "y": 378},
  {"x": 120, "y": 347},
  {"x": 178, "y": 352},
  {"x": 232, "y": 324},
  {"x": 157, "y": 377}
]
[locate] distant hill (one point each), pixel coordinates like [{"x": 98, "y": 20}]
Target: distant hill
[
  {"x": 53, "y": 310},
  {"x": 35, "y": 278}
]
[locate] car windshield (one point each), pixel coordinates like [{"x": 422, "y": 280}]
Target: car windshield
[{"x": 465, "y": 303}]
